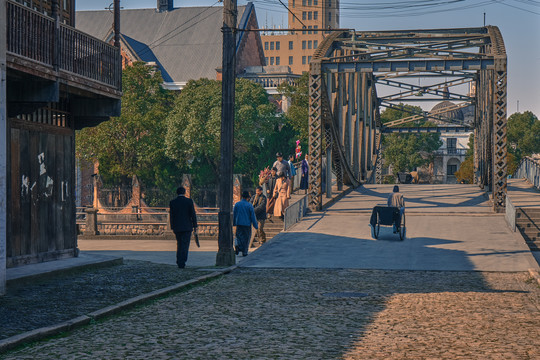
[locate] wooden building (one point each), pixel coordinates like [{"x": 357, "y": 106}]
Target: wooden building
[{"x": 58, "y": 79}]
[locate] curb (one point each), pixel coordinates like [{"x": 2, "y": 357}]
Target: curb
[
  {"x": 535, "y": 274},
  {"x": 48, "y": 331}
]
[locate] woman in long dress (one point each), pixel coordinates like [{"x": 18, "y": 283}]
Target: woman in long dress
[
  {"x": 304, "y": 181},
  {"x": 282, "y": 193}
]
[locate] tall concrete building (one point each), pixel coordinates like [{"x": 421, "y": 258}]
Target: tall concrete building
[{"x": 295, "y": 48}]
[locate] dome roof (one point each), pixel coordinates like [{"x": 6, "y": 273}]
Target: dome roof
[{"x": 450, "y": 114}]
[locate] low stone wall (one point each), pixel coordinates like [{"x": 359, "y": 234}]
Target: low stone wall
[{"x": 139, "y": 229}]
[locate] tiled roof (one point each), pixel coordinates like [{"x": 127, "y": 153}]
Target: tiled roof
[{"x": 186, "y": 42}]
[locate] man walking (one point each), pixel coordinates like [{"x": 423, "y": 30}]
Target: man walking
[
  {"x": 259, "y": 205},
  {"x": 282, "y": 165},
  {"x": 183, "y": 222},
  {"x": 243, "y": 218}
]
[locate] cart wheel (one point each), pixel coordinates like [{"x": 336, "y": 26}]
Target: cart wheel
[
  {"x": 376, "y": 230},
  {"x": 402, "y": 230}
]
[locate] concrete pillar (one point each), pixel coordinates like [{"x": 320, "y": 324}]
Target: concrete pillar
[
  {"x": 237, "y": 188},
  {"x": 91, "y": 222},
  {"x": 329, "y": 172},
  {"x": 187, "y": 184},
  {"x": 3, "y": 149}
]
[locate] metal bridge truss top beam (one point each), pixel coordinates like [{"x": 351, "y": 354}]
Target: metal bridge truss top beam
[{"x": 344, "y": 107}]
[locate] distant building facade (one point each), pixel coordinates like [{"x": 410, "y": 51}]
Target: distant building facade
[
  {"x": 295, "y": 48},
  {"x": 448, "y": 158}
]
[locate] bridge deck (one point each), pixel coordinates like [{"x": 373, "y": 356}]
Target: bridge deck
[
  {"x": 523, "y": 194},
  {"x": 449, "y": 227}
]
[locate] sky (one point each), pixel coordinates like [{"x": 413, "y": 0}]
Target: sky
[{"x": 518, "y": 20}]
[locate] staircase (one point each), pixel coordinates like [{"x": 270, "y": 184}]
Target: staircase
[
  {"x": 528, "y": 224},
  {"x": 272, "y": 227}
]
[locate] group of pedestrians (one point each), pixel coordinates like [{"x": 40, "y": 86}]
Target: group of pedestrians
[{"x": 250, "y": 211}]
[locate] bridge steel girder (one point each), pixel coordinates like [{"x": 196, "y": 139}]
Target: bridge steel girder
[{"x": 344, "y": 107}]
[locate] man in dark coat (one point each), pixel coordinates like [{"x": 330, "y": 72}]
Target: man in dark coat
[
  {"x": 183, "y": 222},
  {"x": 259, "y": 204}
]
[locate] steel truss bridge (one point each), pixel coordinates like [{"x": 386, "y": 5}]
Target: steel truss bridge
[{"x": 349, "y": 68}]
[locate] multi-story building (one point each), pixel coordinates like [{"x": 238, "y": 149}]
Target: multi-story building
[
  {"x": 54, "y": 80},
  {"x": 313, "y": 19}
]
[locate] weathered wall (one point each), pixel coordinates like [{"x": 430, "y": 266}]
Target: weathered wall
[
  {"x": 41, "y": 187},
  {"x": 3, "y": 150}
]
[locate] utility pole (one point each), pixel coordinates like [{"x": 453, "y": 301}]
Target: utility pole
[
  {"x": 225, "y": 255},
  {"x": 117, "y": 23},
  {"x": 3, "y": 148}
]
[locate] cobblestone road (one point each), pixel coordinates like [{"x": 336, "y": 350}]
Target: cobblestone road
[{"x": 291, "y": 314}]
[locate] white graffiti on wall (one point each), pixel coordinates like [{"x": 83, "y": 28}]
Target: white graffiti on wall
[
  {"x": 46, "y": 184},
  {"x": 25, "y": 186}
]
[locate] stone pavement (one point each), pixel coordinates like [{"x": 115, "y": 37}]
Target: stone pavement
[
  {"x": 326, "y": 290},
  {"x": 321, "y": 314}
]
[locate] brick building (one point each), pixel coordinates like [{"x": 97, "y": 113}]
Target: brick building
[{"x": 295, "y": 48}]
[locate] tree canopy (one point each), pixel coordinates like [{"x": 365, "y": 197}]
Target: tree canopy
[
  {"x": 404, "y": 152},
  {"x": 131, "y": 144},
  {"x": 298, "y": 111},
  {"x": 194, "y": 126},
  {"x": 523, "y": 134}
]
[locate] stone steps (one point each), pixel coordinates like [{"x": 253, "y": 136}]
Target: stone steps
[{"x": 528, "y": 224}]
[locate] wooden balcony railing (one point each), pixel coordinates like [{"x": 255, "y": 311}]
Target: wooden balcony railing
[{"x": 32, "y": 35}]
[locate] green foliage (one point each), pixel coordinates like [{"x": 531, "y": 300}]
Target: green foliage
[
  {"x": 194, "y": 127},
  {"x": 523, "y": 134},
  {"x": 298, "y": 111},
  {"x": 404, "y": 152},
  {"x": 466, "y": 169},
  {"x": 132, "y": 143}
]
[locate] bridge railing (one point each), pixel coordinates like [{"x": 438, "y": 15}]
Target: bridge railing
[{"x": 529, "y": 168}]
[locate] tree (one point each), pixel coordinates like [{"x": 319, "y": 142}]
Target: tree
[
  {"x": 131, "y": 144},
  {"x": 523, "y": 134},
  {"x": 298, "y": 111},
  {"x": 404, "y": 152},
  {"x": 194, "y": 125}
]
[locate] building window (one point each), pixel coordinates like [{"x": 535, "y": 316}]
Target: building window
[
  {"x": 277, "y": 60},
  {"x": 304, "y": 44},
  {"x": 309, "y": 31},
  {"x": 310, "y": 15},
  {"x": 303, "y": 60},
  {"x": 304, "y": 15},
  {"x": 315, "y": 15},
  {"x": 329, "y": 3},
  {"x": 309, "y": 59},
  {"x": 451, "y": 146},
  {"x": 451, "y": 170},
  {"x": 266, "y": 45},
  {"x": 315, "y": 2},
  {"x": 315, "y": 44},
  {"x": 309, "y": 2},
  {"x": 277, "y": 45},
  {"x": 290, "y": 60},
  {"x": 290, "y": 45},
  {"x": 271, "y": 45},
  {"x": 303, "y": 2},
  {"x": 271, "y": 60},
  {"x": 293, "y": 4},
  {"x": 309, "y": 44},
  {"x": 265, "y": 61},
  {"x": 329, "y": 16}
]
